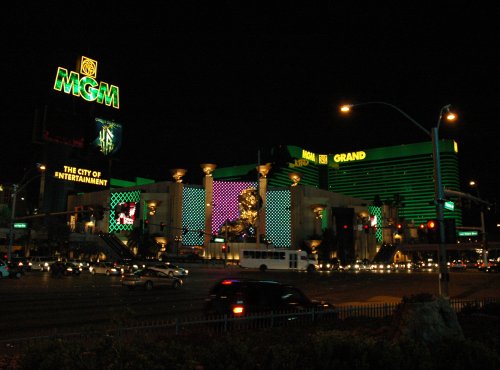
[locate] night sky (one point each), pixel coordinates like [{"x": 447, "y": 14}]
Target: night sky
[{"x": 203, "y": 84}]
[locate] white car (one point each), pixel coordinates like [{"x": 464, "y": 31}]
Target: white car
[
  {"x": 106, "y": 268},
  {"x": 42, "y": 263},
  {"x": 171, "y": 269}
]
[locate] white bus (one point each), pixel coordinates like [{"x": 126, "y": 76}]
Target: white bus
[{"x": 277, "y": 259}]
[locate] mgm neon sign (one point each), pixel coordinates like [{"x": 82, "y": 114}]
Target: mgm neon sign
[{"x": 86, "y": 86}]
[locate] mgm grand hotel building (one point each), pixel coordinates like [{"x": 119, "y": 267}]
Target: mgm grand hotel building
[{"x": 363, "y": 200}]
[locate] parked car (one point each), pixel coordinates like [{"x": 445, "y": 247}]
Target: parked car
[
  {"x": 60, "y": 268},
  {"x": 42, "y": 263},
  {"x": 22, "y": 263},
  {"x": 457, "y": 265},
  {"x": 150, "y": 278},
  {"x": 105, "y": 267},
  {"x": 240, "y": 297},
  {"x": 4, "y": 269},
  {"x": 493, "y": 268},
  {"x": 15, "y": 270},
  {"x": 83, "y": 265},
  {"x": 171, "y": 269},
  {"x": 330, "y": 265}
]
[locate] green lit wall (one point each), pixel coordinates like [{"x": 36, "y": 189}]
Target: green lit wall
[
  {"x": 278, "y": 217},
  {"x": 406, "y": 170},
  {"x": 193, "y": 214}
]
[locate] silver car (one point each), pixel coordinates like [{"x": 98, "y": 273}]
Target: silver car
[
  {"x": 42, "y": 263},
  {"x": 150, "y": 278},
  {"x": 106, "y": 268},
  {"x": 171, "y": 269}
]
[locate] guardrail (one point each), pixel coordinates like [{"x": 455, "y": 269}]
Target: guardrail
[{"x": 225, "y": 323}]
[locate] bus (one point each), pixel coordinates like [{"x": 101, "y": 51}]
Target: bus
[{"x": 277, "y": 259}]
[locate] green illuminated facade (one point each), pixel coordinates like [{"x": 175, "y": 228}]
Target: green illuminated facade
[{"x": 398, "y": 175}]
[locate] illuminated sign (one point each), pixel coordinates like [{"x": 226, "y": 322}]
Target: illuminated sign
[
  {"x": 125, "y": 213},
  {"x": 308, "y": 155},
  {"x": 87, "y": 87},
  {"x": 109, "y": 136},
  {"x": 299, "y": 163},
  {"x": 348, "y": 157},
  {"x": 20, "y": 225},
  {"x": 468, "y": 233},
  {"x": 76, "y": 174}
]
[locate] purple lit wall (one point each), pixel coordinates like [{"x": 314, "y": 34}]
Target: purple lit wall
[{"x": 226, "y": 201}]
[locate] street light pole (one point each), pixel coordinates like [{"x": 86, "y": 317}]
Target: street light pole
[
  {"x": 12, "y": 217},
  {"x": 438, "y": 185},
  {"x": 444, "y": 276},
  {"x": 16, "y": 188}
]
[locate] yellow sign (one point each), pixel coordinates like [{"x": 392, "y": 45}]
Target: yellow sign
[
  {"x": 308, "y": 155},
  {"x": 348, "y": 157},
  {"x": 76, "y": 174},
  {"x": 87, "y": 87}
]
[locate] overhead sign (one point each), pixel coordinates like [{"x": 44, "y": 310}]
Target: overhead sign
[
  {"x": 468, "y": 233},
  {"x": 20, "y": 225},
  {"x": 87, "y": 86}
]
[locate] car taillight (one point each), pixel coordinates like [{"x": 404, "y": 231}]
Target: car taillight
[{"x": 238, "y": 310}]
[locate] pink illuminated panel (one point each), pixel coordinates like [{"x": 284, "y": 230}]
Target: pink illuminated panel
[{"x": 225, "y": 204}]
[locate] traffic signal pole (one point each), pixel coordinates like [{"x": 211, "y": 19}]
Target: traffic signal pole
[{"x": 444, "y": 277}]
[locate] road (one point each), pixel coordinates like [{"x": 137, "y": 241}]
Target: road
[{"x": 38, "y": 304}]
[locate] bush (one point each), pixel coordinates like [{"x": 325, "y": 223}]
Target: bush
[{"x": 341, "y": 344}]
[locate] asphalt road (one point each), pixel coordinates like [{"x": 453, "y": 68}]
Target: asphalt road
[{"x": 37, "y": 304}]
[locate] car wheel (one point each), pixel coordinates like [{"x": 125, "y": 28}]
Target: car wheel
[
  {"x": 108, "y": 273},
  {"x": 310, "y": 268},
  {"x": 148, "y": 285},
  {"x": 18, "y": 274},
  {"x": 171, "y": 273},
  {"x": 263, "y": 268},
  {"x": 93, "y": 272},
  {"x": 177, "y": 284}
]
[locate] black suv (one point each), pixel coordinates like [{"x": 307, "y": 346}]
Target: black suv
[{"x": 239, "y": 297}]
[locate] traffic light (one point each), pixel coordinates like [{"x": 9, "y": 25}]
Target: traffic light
[
  {"x": 366, "y": 228},
  {"x": 433, "y": 231},
  {"x": 399, "y": 228},
  {"x": 422, "y": 233},
  {"x": 162, "y": 226},
  {"x": 224, "y": 248}
]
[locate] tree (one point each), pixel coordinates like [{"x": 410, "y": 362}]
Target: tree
[{"x": 4, "y": 215}]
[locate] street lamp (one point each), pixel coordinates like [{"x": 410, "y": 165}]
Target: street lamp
[
  {"x": 16, "y": 188},
  {"x": 438, "y": 185},
  {"x": 473, "y": 184}
]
